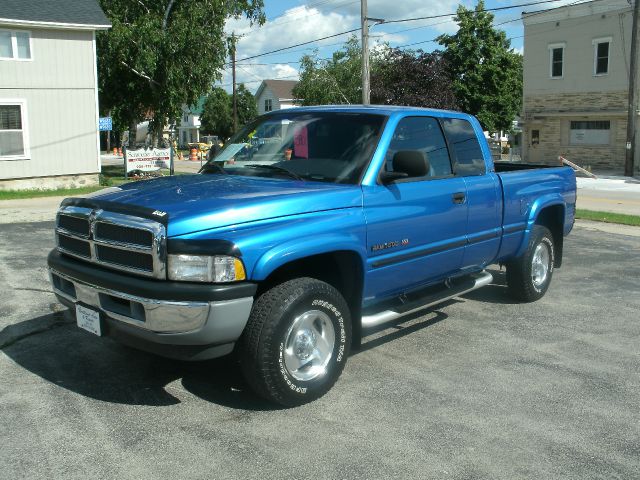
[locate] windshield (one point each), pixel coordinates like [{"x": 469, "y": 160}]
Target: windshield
[{"x": 318, "y": 146}]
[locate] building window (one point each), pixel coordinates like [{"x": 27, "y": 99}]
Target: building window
[
  {"x": 556, "y": 60},
  {"x": 13, "y": 134},
  {"x": 590, "y": 132},
  {"x": 601, "y": 49},
  {"x": 15, "y": 45},
  {"x": 268, "y": 105}
]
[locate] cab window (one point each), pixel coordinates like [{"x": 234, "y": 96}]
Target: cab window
[
  {"x": 466, "y": 152},
  {"x": 422, "y": 134}
]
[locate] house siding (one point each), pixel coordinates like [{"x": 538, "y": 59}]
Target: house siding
[
  {"x": 59, "y": 88},
  {"x": 267, "y": 94}
]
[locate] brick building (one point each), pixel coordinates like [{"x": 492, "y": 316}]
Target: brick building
[{"x": 576, "y": 71}]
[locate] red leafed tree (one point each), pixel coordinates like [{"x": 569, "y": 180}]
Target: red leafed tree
[{"x": 412, "y": 78}]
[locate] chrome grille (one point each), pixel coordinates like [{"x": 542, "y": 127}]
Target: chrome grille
[{"x": 122, "y": 242}]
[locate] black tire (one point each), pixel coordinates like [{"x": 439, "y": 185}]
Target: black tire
[
  {"x": 521, "y": 283},
  {"x": 264, "y": 356}
]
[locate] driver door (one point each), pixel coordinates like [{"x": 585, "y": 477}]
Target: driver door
[{"x": 416, "y": 226}]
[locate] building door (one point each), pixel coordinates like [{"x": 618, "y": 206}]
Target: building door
[{"x": 535, "y": 150}]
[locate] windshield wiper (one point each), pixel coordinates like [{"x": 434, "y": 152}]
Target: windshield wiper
[{"x": 279, "y": 169}]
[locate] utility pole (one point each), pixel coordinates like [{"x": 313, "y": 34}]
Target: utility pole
[
  {"x": 233, "y": 74},
  {"x": 633, "y": 100},
  {"x": 364, "y": 21}
]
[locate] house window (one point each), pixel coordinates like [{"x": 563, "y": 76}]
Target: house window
[
  {"x": 13, "y": 135},
  {"x": 590, "y": 132},
  {"x": 268, "y": 105},
  {"x": 556, "y": 60},
  {"x": 601, "y": 49},
  {"x": 15, "y": 45}
]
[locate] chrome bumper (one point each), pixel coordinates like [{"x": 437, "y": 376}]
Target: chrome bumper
[{"x": 160, "y": 321}]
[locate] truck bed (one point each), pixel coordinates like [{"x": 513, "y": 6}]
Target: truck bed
[
  {"x": 526, "y": 189},
  {"x": 506, "y": 167}
]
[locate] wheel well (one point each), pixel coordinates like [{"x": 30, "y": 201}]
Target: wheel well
[
  {"x": 552, "y": 217},
  {"x": 341, "y": 269}
]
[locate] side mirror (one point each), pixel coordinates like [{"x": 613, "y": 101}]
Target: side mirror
[{"x": 412, "y": 162}]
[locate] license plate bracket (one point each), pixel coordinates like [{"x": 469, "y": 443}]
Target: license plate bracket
[{"x": 89, "y": 319}]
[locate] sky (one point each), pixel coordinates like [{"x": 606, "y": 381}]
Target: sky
[{"x": 291, "y": 22}]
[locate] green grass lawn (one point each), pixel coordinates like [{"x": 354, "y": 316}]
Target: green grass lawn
[
  {"x": 111, "y": 176},
  {"x": 608, "y": 217},
  {"x": 60, "y": 192}
]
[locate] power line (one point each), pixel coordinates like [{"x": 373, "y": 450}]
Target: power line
[
  {"x": 495, "y": 9},
  {"x": 538, "y": 2}
]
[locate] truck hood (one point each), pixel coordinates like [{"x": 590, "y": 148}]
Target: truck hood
[{"x": 201, "y": 202}]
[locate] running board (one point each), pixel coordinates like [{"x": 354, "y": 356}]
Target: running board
[{"x": 473, "y": 283}]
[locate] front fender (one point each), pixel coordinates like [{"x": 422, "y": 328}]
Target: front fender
[
  {"x": 300, "y": 248},
  {"x": 539, "y": 204}
]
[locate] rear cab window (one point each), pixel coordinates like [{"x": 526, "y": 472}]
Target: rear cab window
[{"x": 466, "y": 153}]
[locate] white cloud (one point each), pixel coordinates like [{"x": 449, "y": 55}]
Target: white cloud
[{"x": 299, "y": 25}]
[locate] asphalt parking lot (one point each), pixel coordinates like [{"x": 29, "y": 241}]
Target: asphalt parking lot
[{"x": 480, "y": 387}]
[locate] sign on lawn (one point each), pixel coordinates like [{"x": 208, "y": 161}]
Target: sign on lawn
[
  {"x": 146, "y": 160},
  {"x": 105, "y": 124}
]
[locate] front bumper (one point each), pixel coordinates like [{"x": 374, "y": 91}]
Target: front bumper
[{"x": 174, "y": 319}]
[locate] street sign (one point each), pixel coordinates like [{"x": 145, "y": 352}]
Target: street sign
[{"x": 105, "y": 124}]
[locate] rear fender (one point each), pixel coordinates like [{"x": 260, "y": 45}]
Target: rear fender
[{"x": 537, "y": 206}]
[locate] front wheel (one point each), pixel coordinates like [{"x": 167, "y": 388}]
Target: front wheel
[
  {"x": 529, "y": 276},
  {"x": 296, "y": 342}
]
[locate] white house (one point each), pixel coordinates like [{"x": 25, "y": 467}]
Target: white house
[
  {"x": 189, "y": 125},
  {"x": 576, "y": 77},
  {"x": 49, "y": 93},
  {"x": 275, "y": 95}
]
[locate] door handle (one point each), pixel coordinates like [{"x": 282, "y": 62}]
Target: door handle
[{"x": 458, "y": 197}]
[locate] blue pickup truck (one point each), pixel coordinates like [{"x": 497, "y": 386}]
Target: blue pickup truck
[{"x": 311, "y": 226}]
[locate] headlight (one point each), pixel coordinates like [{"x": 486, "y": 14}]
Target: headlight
[{"x": 202, "y": 268}]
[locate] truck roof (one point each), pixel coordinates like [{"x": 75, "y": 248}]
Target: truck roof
[{"x": 377, "y": 109}]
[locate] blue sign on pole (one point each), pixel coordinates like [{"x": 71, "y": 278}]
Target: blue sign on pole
[{"x": 105, "y": 124}]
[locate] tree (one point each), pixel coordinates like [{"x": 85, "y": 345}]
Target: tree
[
  {"x": 246, "y": 104},
  {"x": 217, "y": 114},
  {"x": 410, "y": 78},
  {"x": 331, "y": 81},
  {"x": 486, "y": 72},
  {"x": 217, "y": 117},
  {"x": 162, "y": 54}
]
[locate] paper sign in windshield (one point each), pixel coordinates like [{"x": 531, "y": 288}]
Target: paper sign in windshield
[{"x": 300, "y": 143}]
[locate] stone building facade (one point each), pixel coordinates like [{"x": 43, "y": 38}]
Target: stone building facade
[{"x": 576, "y": 70}]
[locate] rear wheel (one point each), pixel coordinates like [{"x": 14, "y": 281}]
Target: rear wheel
[
  {"x": 296, "y": 342},
  {"x": 529, "y": 276}
]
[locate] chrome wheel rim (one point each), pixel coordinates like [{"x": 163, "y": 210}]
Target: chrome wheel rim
[
  {"x": 540, "y": 265},
  {"x": 308, "y": 346}
]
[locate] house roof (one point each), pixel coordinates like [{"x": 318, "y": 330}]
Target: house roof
[
  {"x": 80, "y": 14},
  {"x": 282, "y": 89}
]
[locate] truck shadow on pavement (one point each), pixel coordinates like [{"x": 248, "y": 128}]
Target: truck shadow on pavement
[
  {"x": 53, "y": 348},
  {"x": 99, "y": 368},
  {"x": 495, "y": 292}
]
